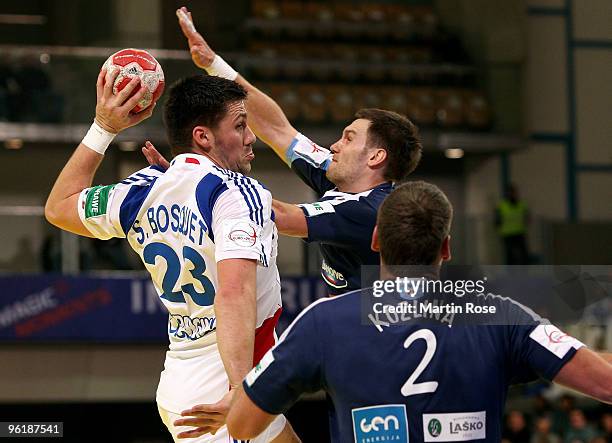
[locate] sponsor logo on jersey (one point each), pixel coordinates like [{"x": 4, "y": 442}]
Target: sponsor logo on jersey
[
  {"x": 554, "y": 340},
  {"x": 96, "y": 201},
  {"x": 263, "y": 364},
  {"x": 556, "y": 335},
  {"x": 315, "y": 148},
  {"x": 243, "y": 237},
  {"x": 434, "y": 427},
  {"x": 380, "y": 424},
  {"x": 191, "y": 328},
  {"x": 456, "y": 426},
  {"x": 332, "y": 277},
  {"x": 318, "y": 208}
]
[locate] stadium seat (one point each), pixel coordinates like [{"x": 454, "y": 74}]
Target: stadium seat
[
  {"x": 421, "y": 106},
  {"x": 288, "y": 99},
  {"x": 367, "y": 97},
  {"x": 341, "y": 102},
  {"x": 478, "y": 112},
  {"x": 313, "y": 103},
  {"x": 450, "y": 108},
  {"x": 376, "y": 69},
  {"x": 395, "y": 99}
]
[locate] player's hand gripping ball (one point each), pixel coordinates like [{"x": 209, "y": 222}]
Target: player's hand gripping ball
[{"x": 137, "y": 63}]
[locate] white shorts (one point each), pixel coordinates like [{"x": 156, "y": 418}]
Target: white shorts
[{"x": 221, "y": 436}]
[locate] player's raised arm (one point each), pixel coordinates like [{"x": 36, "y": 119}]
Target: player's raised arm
[
  {"x": 265, "y": 117},
  {"x": 112, "y": 116}
]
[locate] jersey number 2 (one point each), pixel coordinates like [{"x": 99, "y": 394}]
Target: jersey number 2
[
  {"x": 410, "y": 387},
  {"x": 173, "y": 272}
]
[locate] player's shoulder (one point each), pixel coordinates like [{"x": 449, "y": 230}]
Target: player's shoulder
[
  {"x": 324, "y": 313},
  {"x": 332, "y": 308},
  {"x": 132, "y": 190},
  {"x": 507, "y": 311},
  {"x": 144, "y": 177},
  {"x": 371, "y": 198}
]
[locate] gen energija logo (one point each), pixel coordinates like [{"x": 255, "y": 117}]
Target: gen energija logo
[
  {"x": 434, "y": 427},
  {"x": 383, "y": 423}
]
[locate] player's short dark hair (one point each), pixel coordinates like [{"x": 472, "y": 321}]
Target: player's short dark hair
[
  {"x": 413, "y": 221},
  {"x": 197, "y": 100},
  {"x": 399, "y": 136}
]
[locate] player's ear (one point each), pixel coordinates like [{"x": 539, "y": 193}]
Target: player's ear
[
  {"x": 445, "y": 250},
  {"x": 374, "y": 245},
  {"x": 377, "y": 157},
  {"x": 202, "y": 137}
]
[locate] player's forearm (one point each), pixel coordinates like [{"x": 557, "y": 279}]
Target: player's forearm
[
  {"x": 77, "y": 175},
  {"x": 607, "y": 356},
  {"x": 289, "y": 219},
  {"x": 267, "y": 120},
  {"x": 236, "y": 312},
  {"x": 589, "y": 373},
  {"x": 245, "y": 419}
]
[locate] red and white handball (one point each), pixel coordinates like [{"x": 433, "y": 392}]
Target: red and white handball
[{"x": 137, "y": 63}]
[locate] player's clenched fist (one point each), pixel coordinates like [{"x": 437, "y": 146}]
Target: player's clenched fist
[{"x": 113, "y": 111}]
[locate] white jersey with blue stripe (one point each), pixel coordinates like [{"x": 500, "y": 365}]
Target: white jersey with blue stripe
[{"x": 181, "y": 222}]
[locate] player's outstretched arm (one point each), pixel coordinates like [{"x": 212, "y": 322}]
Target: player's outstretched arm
[
  {"x": 289, "y": 219},
  {"x": 112, "y": 116},
  {"x": 265, "y": 117},
  {"x": 589, "y": 373}
]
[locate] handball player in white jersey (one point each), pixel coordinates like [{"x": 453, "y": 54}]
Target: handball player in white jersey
[{"x": 204, "y": 232}]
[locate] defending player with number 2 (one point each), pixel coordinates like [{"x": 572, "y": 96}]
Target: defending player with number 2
[
  {"x": 419, "y": 380},
  {"x": 203, "y": 231}
]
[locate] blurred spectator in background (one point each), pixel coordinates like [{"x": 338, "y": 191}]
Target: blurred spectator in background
[
  {"x": 606, "y": 426},
  {"x": 110, "y": 254},
  {"x": 24, "y": 259},
  {"x": 511, "y": 218},
  {"x": 561, "y": 414},
  {"x": 51, "y": 252},
  {"x": 26, "y": 93},
  {"x": 516, "y": 428},
  {"x": 6, "y": 78},
  {"x": 541, "y": 406},
  {"x": 580, "y": 431},
  {"x": 543, "y": 433}
]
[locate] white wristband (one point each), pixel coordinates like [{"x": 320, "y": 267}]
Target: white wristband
[
  {"x": 98, "y": 139},
  {"x": 220, "y": 68}
]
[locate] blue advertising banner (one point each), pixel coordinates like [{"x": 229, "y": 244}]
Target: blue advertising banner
[{"x": 46, "y": 308}]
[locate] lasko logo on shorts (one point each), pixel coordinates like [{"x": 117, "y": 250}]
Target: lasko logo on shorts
[
  {"x": 459, "y": 426},
  {"x": 96, "y": 201},
  {"x": 380, "y": 424}
]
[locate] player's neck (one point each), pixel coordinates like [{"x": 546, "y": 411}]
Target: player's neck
[
  {"x": 214, "y": 159},
  {"x": 355, "y": 187}
]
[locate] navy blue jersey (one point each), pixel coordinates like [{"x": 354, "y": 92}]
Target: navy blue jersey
[
  {"x": 444, "y": 380},
  {"x": 342, "y": 223}
]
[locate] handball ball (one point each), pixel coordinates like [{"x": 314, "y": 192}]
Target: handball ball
[{"x": 137, "y": 63}]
